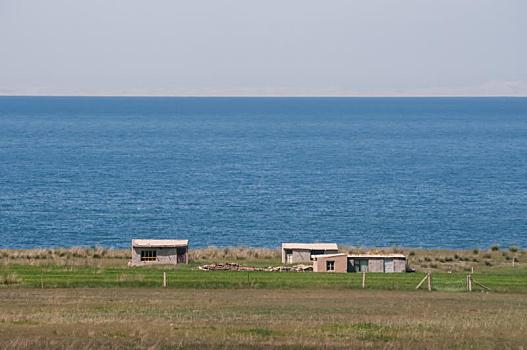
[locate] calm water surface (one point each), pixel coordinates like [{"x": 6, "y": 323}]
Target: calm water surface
[{"x": 430, "y": 172}]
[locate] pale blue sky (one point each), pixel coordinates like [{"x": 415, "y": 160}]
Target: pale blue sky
[{"x": 265, "y": 47}]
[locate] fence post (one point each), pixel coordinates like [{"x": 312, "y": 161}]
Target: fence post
[
  {"x": 469, "y": 283},
  {"x": 363, "y": 279},
  {"x": 164, "y": 279},
  {"x": 429, "y": 281}
]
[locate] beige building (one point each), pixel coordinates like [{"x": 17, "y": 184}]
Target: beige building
[
  {"x": 359, "y": 263},
  {"x": 159, "y": 251},
  {"x": 295, "y": 253},
  {"x": 377, "y": 263},
  {"x": 330, "y": 263}
]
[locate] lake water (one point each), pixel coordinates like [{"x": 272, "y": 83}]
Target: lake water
[{"x": 429, "y": 172}]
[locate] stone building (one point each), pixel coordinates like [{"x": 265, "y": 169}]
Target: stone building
[{"x": 159, "y": 251}]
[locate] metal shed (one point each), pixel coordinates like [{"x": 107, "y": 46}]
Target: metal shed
[
  {"x": 293, "y": 253},
  {"x": 159, "y": 251},
  {"x": 377, "y": 263}
]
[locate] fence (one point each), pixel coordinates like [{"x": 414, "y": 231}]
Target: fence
[{"x": 64, "y": 277}]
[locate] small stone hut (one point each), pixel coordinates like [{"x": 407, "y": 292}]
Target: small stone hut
[
  {"x": 330, "y": 263},
  {"x": 159, "y": 251},
  {"x": 377, "y": 263},
  {"x": 294, "y": 253}
]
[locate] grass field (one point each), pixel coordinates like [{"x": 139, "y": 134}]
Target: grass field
[
  {"x": 100, "y": 267},
  {"x": 53, "y": 276},
  {"x": 319, "y": 318},
  {"x": 84, "y": 298}
]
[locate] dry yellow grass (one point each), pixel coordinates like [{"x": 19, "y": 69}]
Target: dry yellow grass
[
  {"x": 420, "y": 259},
  {"x": 259, "y": 319},
  {"x": 235, "y": 253}
]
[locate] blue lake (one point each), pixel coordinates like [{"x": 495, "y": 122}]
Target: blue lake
[{"x": 420, "y": 172}]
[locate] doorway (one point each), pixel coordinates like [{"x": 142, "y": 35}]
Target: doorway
[
  {"x": 181, "y": 255},
  {"x": 389, "y": 265}
]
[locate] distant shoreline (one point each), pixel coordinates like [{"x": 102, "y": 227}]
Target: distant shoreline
[
  {"x": 342, "y": 247},
  {"x": 266, "y": 96}
]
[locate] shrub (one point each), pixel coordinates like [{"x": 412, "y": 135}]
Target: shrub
[
  {"x": 488, "y": 263},
  {"x": 449, "y": 259},
  {"x": 412, "y": 253},
  {"x": 427, "y": 259},
  {"x": 495, "y": 248},
  {"x": 10, "y": 278},
  {"x": 514, "y": 249},
  {"x": 397, "y": 250},
  {"x": 475, "y": 251},
  {"x": 487, "y": 256}
]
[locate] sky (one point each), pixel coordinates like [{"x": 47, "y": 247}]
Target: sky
[{"x": 264, "y": 48}]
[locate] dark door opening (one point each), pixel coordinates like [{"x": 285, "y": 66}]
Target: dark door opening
[{"x": 181, "y": 255}]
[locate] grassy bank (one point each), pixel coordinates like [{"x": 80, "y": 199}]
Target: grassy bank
[
  {"x": 423, "y": 260},
  {"x": 259, "y": 319}
]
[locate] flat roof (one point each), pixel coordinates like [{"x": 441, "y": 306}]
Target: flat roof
[
  {"x": 159, "y": 242},
  {"x": 328, "y": 255},
  {"x": 314, "y": 246},
  {"x": 377, "y": 256}
]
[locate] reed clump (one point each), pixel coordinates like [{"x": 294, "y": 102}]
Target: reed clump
[{"x": 8, "y": 279}]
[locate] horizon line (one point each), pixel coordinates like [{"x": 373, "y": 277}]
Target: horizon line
[{"x": 271, "y": 96}]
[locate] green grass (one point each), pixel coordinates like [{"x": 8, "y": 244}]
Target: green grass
[
  {"x": 261, "y": 331},
  {"x": 56, "y": 276}
]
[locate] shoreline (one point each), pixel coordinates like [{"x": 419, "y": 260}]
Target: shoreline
[{"x": 278, "y": 247}]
